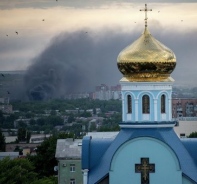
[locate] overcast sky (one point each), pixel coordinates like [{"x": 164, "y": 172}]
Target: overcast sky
[{"x": 39, "y": 22}]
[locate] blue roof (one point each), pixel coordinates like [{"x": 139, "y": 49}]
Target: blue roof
[
  {"x": 97, "y": 154},
  {"x": 191, "y": 146}
]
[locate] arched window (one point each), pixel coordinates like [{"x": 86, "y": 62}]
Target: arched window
[
  {"x": 129, "y": 104},
  {"x": 163, "y": 104},
  {"x": 145, "y": 104}
]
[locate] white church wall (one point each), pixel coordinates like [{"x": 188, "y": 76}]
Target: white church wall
[{"x": 154, "y": 91}]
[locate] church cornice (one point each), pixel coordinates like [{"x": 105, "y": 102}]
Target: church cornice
[{"x": 167, "y": 124}]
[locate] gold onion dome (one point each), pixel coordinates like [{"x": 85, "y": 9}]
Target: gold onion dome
[{"x": 146, "y": 59}]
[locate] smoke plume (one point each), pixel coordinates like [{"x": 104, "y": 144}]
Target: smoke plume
[
  {"x": 78, "y": 61},
  {"x": 73, "y": 63}
]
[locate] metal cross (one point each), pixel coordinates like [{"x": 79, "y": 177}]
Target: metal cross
[
  {"x": 145, "y": 168},
  {"x": 145, "y": 10}
]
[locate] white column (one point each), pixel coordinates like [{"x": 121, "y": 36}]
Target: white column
[
  {"x": 170, "y": 109},
  {"x": 123, "y": 107},
  {"x": 136, "y": 110},
  {"x": 85, "y": 176},
  {"x": 155, "y": 110}
]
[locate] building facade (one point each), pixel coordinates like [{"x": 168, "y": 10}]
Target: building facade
[
  {"x": 68, "y": 154},
  {"x": 184, "y": 107}
]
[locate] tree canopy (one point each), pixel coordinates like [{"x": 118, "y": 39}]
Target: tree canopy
[
  {"x": 2, "y": 141},
  {"x": 193, "y": 135},
  {"x": 45, "y": 160}
]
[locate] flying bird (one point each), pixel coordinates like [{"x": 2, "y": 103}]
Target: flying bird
[
  {"x": 42, "y": 19},
  {"x": 16, "y": 32},
  {"x": 8, "y": 92},
  {"x": 2, "y": 75},
  {"x": 6, "y": 35}
]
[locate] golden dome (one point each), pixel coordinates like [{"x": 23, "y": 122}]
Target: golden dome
[{"x": 146, "y": 59}]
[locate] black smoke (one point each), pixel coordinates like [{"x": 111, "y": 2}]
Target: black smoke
[
  {"x": 73, "y": 63},
  {"x": 76, "y": 62}
]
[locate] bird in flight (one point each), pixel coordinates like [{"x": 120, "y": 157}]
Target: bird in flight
[
  {"x": 8, "y": 92},
  {"x": 42, "y": 19},
  {"x": 2, "y": 75},
  {"x": 6, "y": 35},
  {"x": 16, "y": 32}
]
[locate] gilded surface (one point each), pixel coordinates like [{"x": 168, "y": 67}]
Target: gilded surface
[{"x": 146, "y": 58}]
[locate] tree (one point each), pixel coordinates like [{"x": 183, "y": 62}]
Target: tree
[
  {"x": 45, "y": 180},
  {"x": 2, "y": 141},
  {"x": 16, "y": 171},
  {"x": 21, "y": 171},
  {"x": 193, "y": 135},
  {"x": 23, "y": 135},
  {"x": 71, "y": 118},
  {"x": 2, "y": 119},
  {"x": 45, "y": 160}
]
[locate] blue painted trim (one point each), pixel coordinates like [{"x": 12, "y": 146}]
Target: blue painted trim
[
  {"x": 85, "y": 155},
  {"x": 149, "y": 123}
]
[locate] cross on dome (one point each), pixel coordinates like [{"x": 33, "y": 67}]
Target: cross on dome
[{"x": 145, "y": 10}]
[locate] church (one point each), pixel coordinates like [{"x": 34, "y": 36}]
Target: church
[{"x": 146, "y": 150}]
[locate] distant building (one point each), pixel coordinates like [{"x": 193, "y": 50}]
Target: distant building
[
  {"x": 6, "y": 108},
  {"x": 68, "y": 154},
  {"x": 4, "y": 100},
  {"x": 104, "y": 92},
  {"x": 185, "y": 128},
  {"x": 184, "y": 107},
  {"x": 26, "y": 148},
  {"x": 11, "y": 155}
]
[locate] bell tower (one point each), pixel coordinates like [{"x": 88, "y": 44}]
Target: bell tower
[{"x": 146, "y": 85}]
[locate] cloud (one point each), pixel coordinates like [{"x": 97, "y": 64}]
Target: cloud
[{"x": 44, "y": 4}]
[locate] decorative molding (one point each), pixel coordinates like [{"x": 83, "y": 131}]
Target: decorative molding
[
  {"x": 145, "y": 87},
  {"x": 146, "y": 125}
]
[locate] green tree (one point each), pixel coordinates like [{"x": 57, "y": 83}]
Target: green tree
[
  {"x": 193, "y": 135},
  {"x": 45, "y": 160},
  {"x": 71, "y": 118},
  {"x": 23, "y": 135},
  {"x": 55, "y": 120},
  {"x": 46, "y": 180},
  {"x": 2, "y": 119},
  {"x": 2, "y": 142},
  {"x": 16, "y": 171}
]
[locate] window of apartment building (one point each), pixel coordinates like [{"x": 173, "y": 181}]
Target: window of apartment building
[
  {"x": 129, "y": 104},
  {"x": 72, "y": 181},
  {"x": 72, "y": 167},
  {"x": 145, "y": 104}
]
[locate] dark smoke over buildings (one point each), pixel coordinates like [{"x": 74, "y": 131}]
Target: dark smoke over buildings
[
  {"x": 74, "y": 62},
  {"x": 78, "y": 61}
]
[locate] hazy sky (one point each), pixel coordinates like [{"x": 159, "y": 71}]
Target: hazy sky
[{"x": 37, "y": 22}]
